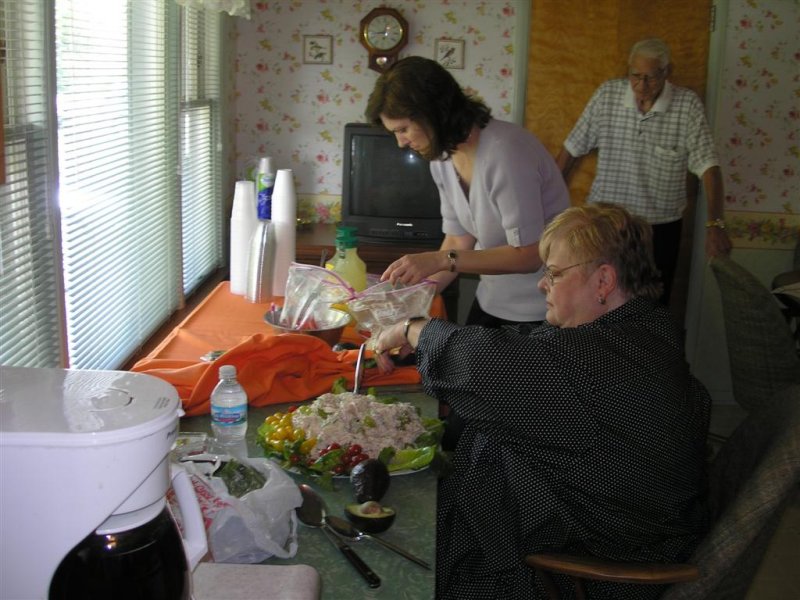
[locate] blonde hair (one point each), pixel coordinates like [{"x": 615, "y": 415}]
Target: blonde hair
[{"x": 607, "y": 233}]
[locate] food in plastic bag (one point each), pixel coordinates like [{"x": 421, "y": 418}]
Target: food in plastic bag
[
  {"x": 239, "y": 478},
  {"x": 382, "y": 305},
  {"x": 259, "y": 525},
  {"x": 313, "y": 290}
]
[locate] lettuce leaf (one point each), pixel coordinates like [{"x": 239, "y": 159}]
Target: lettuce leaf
[{"x": 411, "y": 458}]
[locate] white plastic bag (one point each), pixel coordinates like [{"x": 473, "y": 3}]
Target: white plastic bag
[{"x": 255, "y": 527}]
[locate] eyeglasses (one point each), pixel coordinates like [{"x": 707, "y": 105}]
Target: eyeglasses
[
  {"x": 551, "y": 273},
  {"x": 637, "y": 78}
]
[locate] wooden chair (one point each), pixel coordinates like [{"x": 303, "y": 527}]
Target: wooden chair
[{"x": 751, "y": 479}]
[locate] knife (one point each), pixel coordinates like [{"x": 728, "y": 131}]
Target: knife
[
  {"x": 368, "y": 574},
  {"x": 348, "y": 530},
  {"x": 359, "y": 368}
]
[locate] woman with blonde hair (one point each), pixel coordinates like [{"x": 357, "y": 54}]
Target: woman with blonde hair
[{"x": 584, "y": 435}]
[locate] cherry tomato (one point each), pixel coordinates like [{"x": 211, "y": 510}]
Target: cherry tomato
[
  {"x": 333, "y": 446},
  {"x": 292, "y": 408},
  {"x": 338, "y": 469},
  {"x": 295, "y": 458},
  {"x": 355, "y": 449}
]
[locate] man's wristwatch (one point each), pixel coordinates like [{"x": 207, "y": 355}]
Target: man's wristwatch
[
  {"x": 408, "y": 323},
  {"x": 452, "y": 256},
  {"x": 718, "y": 223}
]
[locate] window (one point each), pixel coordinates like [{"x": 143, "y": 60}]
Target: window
[
  {"x": 200, "y": 146},
  {"x": 31, "y": 330},
  {"x": 136, "y": 232}
]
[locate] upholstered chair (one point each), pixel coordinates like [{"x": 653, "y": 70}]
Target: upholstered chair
[
  {"x": 751, "y": 480},
  {"x": 761, "y": 348}
]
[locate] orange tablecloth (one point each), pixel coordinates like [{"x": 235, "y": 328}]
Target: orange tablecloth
[{"x": 272, "y": 368}]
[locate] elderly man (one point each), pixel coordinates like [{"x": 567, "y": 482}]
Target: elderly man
[{"x": 648, "y": 134}]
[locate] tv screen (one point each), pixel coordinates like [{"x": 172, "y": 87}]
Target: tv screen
[{"x": 388, "y": 193}]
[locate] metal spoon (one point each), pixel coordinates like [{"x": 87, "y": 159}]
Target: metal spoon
[
  {"x": 348, "y": 530},
  {"x": 312, "y": 513},
  {"x": 359, "y": 368}
]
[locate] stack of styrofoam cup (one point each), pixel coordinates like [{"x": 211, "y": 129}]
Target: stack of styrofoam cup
[
  {"x": 243, "y": 225},
  {"x": 284, "y": 221}
]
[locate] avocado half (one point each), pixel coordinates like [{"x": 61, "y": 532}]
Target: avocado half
[
  {"x": 370, "y": 480},
  {"x": 370, "y": 516}
]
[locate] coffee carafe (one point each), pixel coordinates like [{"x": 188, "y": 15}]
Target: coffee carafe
[{"x": 84, "y": 467}]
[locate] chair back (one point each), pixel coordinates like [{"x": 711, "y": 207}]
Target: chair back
[
  {"x": 761, "y": 348},
  {"x": 751, "y": 480}
]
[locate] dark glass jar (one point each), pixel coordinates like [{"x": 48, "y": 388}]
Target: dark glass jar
[{"x": 144, "y": 563}]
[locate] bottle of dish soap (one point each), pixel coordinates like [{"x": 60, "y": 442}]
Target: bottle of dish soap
[{"x": 347, "y": 262}]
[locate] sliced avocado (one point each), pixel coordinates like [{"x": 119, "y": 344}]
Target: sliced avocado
[
  {"x": 370, "y": 516},
  {"x": 370, "y": 480}
]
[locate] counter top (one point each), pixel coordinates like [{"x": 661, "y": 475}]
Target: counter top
[
  {"x": 272, "y": 368},
  {"x": 413, "y": 496}
]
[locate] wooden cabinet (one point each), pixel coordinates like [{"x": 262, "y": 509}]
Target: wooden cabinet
[{"x": 316, "y": 243}]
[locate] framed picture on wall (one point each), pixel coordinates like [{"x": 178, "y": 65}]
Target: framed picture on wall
[
  {"x": 449, "y": 53},
  {"x": 318, "y": 49}
]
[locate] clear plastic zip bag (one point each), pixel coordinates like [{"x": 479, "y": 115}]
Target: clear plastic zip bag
[{"x": 312, "y": 290}]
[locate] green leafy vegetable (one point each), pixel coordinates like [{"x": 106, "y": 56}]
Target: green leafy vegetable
[
  {"x": 239, "y": 478},
  {"x": 434, "y": 430},
  {"x": 411, "y": 458},
  {"x": 339, "y": 386}
]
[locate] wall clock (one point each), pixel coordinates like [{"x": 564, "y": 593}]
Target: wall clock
[{"x": 383, "y": 32}]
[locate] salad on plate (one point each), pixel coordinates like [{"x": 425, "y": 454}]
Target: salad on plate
[{"x": 338, "y": 430}]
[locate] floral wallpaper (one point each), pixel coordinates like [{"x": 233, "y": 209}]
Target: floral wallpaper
[
  {"x": 759, "y": 122},
  {"x": 295, "y": 110}
]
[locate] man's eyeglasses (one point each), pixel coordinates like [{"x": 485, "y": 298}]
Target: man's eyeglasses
[
  {"x": 551, "y": 273},
  {"x": 638, "y": 78}
]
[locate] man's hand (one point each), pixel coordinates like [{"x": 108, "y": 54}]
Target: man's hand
[{"x": 717, "y": 242}]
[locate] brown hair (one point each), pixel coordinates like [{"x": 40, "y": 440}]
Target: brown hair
[
  {"x": 607, "y": 233},
  {"x": 424, "y": 91}
]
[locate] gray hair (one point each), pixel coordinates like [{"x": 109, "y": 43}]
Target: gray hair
[{"x": 653, "y": 48}]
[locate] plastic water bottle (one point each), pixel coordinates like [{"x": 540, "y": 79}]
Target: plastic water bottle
[{"x": 228, "y": 408}]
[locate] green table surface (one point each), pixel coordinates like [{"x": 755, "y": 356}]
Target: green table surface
[{"x": 413, "y": 496}]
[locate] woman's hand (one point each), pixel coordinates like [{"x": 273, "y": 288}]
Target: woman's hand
[
  {"x": 389, "y": 339},
  {"x": 413, "y": 268}
]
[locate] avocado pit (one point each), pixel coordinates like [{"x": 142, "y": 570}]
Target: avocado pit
[{"x": 370, "y": 516}]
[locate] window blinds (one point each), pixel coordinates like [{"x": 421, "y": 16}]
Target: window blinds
[
  {"x": 30, "y": 288},
  {"x": 202, "y": 240},
  {"x": 130, "y": 229},
  {"x": 118, "y": 161}
]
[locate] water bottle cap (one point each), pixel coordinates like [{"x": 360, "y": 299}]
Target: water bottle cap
[{"x": 227, "y": 371}]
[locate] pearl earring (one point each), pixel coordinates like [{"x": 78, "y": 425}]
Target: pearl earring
[{"x": 601, "y": 300}]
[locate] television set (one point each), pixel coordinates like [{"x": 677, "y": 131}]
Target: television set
[{"x": 388, "y": 193}]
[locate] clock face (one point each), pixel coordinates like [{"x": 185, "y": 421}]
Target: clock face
[{"x": 384, "y": 32}]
